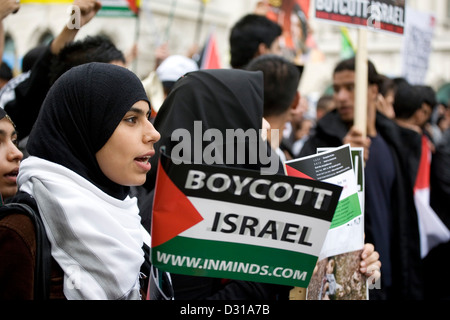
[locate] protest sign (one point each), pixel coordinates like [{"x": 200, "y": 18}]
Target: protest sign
[
  {"x": 339, "y": 259},
  {"x": 335, "y": 166},
  {"x": 417, "y": 48},
  {"x": 357, "y": 154},
  {"x": 382, "y": 15},
  {"x": 375, "y": 15},
  {"x": 110, "y": 8},
  {"x": 236, "y": 224},
  {"x": 292, "y": 16}
]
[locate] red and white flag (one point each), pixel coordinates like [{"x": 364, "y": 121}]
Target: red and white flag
[
  {"x": 432, "y": 230},
  {"x": 210, "y": 57}
]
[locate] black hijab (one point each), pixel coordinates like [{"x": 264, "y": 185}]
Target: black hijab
[
  {"x": 79, "y": 115},
  {"x": 221, "y": 99}
]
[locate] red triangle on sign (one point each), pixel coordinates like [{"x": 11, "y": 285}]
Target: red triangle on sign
[
  {"x": 295, "y": 173},
  {"x": 173, "y": 213}
]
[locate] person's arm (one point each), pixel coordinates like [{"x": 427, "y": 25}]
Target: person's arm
[
  {"x": 30, "y": 94},
  {"x": 2, "y": 39},
  {"x": 6, "y": 8},
  {"x": 88, "y": 9},
  {"x": 370, "y": 263}
]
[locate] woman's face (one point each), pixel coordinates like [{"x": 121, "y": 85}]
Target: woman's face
[
  {"x": 124, "y": 159},
  {"x": 10, "y": 157}
]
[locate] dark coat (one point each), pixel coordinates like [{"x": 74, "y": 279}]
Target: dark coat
[
  {"x": 18, "y": 257},
  {"x": 440, "y": 179},
  {"x": 30, "y": 94},
  {"x": 436, "y": 285}
]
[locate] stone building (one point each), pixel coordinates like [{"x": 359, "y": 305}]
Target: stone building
[{"x": 184, "y": 23}]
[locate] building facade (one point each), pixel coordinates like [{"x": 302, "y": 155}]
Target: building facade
[{"x": 184, "y": 24}]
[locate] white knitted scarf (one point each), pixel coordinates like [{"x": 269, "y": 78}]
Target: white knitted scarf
[{"x": 95, "y": 238}]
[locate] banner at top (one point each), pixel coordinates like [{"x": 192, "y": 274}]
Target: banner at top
[
  {"x": 47, "y": 1},
  {"x": 119, "y": 8},
  {"x": 110, "y": 8},
  {"x": 382, "y": 15}
]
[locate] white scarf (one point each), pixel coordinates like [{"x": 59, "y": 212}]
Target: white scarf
[{"x": 95, "y": 238}]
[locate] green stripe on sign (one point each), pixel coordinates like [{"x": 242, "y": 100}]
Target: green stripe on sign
[
  {"x": 234, "y": 261},
  {"x": 111, "y": 11},
  {"x": 346, "y": 210}
]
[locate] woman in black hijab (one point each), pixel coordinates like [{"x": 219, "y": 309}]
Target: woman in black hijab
[
  {"x": 91, "y": 142},
  {"x": 228, "y": 101},
  {"x": 221, "y": 100}
]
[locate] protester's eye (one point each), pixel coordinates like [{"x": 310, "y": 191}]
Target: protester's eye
[
  {"x": 131, "y": 119},
  {"x": 351, "y": 87}
]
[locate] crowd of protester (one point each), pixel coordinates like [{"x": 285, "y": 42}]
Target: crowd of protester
[{"x": 79, "y": 130}]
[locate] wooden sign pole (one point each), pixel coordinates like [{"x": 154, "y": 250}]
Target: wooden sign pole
[{"x": 361, "y": 83}]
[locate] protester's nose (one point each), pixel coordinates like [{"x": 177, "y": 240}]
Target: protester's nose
[
  {"x": 14, "y": 154},
  {"x": 150, "y": 133}
]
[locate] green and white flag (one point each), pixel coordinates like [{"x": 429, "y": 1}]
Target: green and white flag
[{"x": 236, "y": 224}]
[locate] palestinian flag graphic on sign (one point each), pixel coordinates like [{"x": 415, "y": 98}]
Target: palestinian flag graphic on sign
[{"x": 237, "y": 224}]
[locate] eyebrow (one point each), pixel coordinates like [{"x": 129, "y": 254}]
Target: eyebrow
[
  {"x": 138, "y": 111},
  {"x": 344, "y": 84},
  {"x": 4, "y": 133}
]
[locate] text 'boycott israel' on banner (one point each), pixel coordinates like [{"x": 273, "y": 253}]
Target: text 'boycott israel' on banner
[
  {"x": 236, "y": 224},
  {"x": 385, "y": 15}
]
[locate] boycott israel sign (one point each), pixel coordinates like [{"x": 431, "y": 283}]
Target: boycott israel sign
[
  {"x": 386, "y": 15},
  {"x": 236, "y": 224}
]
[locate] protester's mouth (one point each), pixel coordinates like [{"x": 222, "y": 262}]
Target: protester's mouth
[
  {"x": 12, "y": 175},
  {"x": 345, "y": 109},
  {"x": 144, "y": 161}
]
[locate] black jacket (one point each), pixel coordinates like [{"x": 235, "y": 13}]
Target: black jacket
[
  {"x": 440, "y": 179},
  {"x": 30, "y": 94}
]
